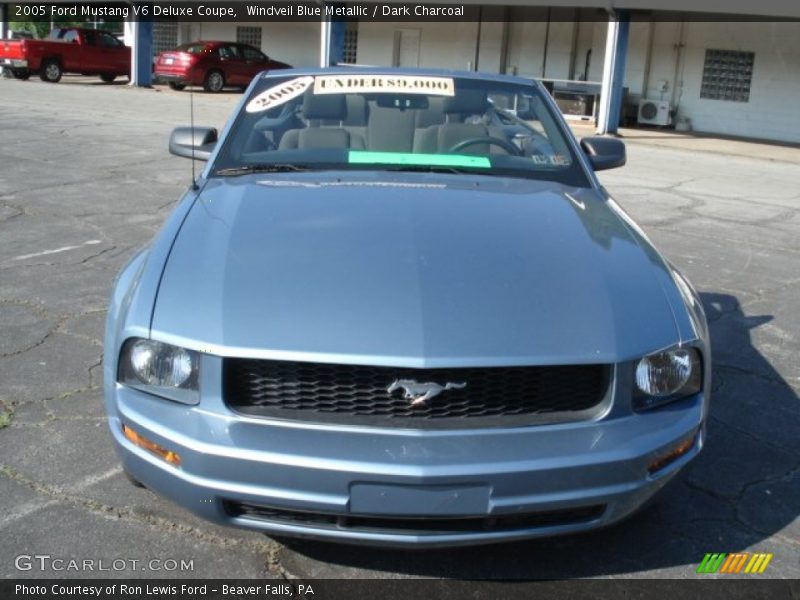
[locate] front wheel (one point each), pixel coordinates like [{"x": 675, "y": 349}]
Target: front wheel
[
  {"x": 51, "y": 71},
  {"x": 176, "y": 85},
  {"x": 214, "y": 82},
  {"x": 21, "y": 74},
  {"x": 108, "y": 78}
]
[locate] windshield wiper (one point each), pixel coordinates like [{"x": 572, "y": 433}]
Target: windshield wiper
[
  {"x": 265, "y": 168},
  {"x": 423, "y": 168},
  {"x": 288, "y": 168}
]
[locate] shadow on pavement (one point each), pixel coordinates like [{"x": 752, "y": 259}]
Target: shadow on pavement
[{"x": 718, "y": 504}]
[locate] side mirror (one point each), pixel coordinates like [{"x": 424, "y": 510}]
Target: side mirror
[
  {"x": 198, "y": 141},
  {"x": 604, "y": 152}
]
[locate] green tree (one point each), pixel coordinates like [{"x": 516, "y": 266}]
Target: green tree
[{"x": 41, "y": 29}]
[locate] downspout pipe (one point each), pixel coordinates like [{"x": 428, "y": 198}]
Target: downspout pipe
[
  {"x": 478, "y": 39},
  {"x": 648, "y": 60},
  {"x": 546, "y": 44}
]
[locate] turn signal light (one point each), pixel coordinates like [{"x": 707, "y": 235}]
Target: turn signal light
[
  {"x": 167, "y": 455},
  {"x": 672, "y": 456}
]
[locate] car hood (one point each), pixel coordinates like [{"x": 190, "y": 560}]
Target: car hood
[{"x": 411, "y": 270}]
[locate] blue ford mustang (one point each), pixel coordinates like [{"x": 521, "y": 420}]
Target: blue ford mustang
[{"x": 398, "y": 308}]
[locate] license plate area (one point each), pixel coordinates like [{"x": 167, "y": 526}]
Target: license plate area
[{"x": 421, "y": 501}]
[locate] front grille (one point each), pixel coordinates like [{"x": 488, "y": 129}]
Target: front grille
[
  {"x": 420, "y": 524},
  {"x": 358, "y": 394}
]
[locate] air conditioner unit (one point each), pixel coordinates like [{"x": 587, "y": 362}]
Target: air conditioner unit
[{"x": 654, "y": 112}]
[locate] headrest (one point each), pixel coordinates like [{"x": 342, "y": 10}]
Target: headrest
[
  {"x": 324, "y": 106},
  {"x": 356, "y": 111},
  {"x": 433, "y": 115},
  {"x": 466, "y": 102}
]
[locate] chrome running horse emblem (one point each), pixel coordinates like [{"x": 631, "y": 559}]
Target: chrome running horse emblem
[{"x": 420, "y": 393}]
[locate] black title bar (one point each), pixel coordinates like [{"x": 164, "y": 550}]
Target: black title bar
[
  {"x": 732, "y": 588},
  {"x": 310, "y": 10}
]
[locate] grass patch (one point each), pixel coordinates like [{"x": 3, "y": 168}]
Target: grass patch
[{"x": 5, "y": 419}]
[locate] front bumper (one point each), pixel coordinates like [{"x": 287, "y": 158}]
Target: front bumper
[{"x": 367, "y": 486}]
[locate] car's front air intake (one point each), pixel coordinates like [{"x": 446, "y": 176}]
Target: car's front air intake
[
  {"x": 424, "y": 398},
  {"x": 419, "y": 525}
]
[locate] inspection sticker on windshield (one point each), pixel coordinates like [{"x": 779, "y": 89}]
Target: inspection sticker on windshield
[
  {"x": 388, "y": 84},
  {"x": 279, "y": 94}
]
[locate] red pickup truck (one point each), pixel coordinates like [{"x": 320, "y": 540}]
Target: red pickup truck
[{"x": 69, "y": 50}]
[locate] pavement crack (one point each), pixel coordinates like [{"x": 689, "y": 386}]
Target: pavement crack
[
  {"x": 763, "y": 294},
  {"x": 734, "y": 503},
  {"x": 91, "y": 368},
  {"x": 750, "y": 373},
  {"x": 98, "y": 254},
  {"x": 785, "y": 476},
  {"x": 749, "y": 434},
  {"x": 273, "y": 562},
  {"x": 732, "y": 241},
  {"x": 18, "y": 212},
  {"x": 6, "y": 414},
  {"x": 61, "y": 396},
  {"x": 41, "y": 314},
  {"x": 104, "y": 510},
  {"x": 707, "y": 491},
  {"x": 112, "y": 175}
]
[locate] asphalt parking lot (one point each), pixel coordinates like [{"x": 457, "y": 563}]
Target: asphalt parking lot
[{"x": 86, "y": 180}]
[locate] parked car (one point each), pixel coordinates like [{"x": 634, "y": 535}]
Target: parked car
[
  {"x": 391, "y": 311},
  {"x": 213, "y": 65},
  {"x": 69, "y": 50}
]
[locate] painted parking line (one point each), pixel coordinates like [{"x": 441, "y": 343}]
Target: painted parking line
[{"x": 57, "y": 250}]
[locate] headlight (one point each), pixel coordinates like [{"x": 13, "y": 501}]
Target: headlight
[
  {"x": 160, "y": 369},
  {"x": 667, "y": 376}
]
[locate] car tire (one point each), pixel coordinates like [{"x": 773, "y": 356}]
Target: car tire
[
  {"x": 214, "y": 81},
  {"x": 108, "y": 78},
  {"x": 21, "y": 74},
  {"x": 176, "y": 85},
  {"x": 51, "y": 71}
]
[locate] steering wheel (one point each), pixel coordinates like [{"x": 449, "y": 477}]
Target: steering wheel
[{"x": 504, "y": 144}]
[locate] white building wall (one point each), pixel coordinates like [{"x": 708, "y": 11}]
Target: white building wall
[
  {"x": 773, "y": 110},
  {"x": 665, "y": 54},
  {"x": 525, "y": 46},
  {"x": 559, "y": 50},
  {"x": 490, "y": 52},
  {"x": 452, "y": 45},
  {"x": 635, "y": 61},
  {"x": 664, "y": 38},
  {"x": 442, "y": 45},
  {"x": 583, "y": 45},
  {"x": 567, "y": 43},
  {"x": 674, "y": 74}
]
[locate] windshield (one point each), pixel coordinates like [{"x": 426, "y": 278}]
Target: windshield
[{"x": 397, "y": 121}]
